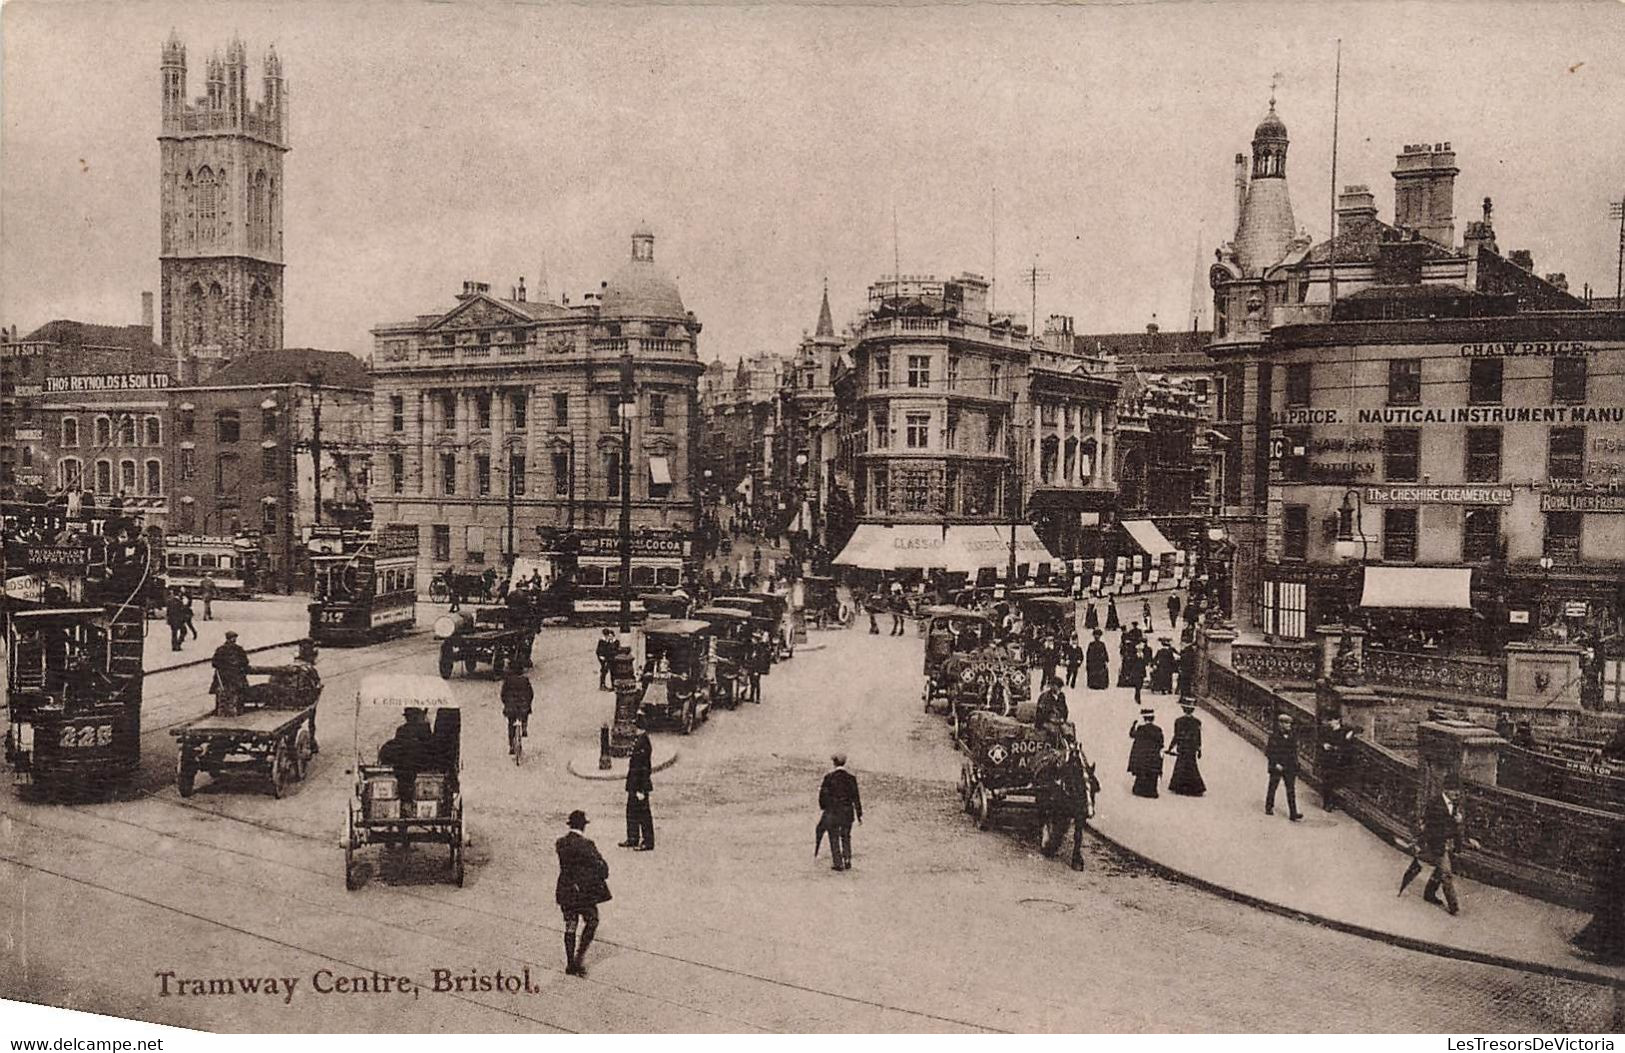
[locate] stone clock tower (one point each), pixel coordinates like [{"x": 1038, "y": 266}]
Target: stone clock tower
[{"x": 221, "y": 201}]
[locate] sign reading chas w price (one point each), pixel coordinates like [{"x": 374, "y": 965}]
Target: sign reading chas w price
[{"x": 107, "y": 382}]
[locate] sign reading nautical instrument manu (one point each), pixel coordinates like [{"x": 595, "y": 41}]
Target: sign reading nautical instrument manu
[
  {"x": 107, "y": 382},
  {"x": 1438, "y": 495},
  {"x": 1493, "y": 415}
]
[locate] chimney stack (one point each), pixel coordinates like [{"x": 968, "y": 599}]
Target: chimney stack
[
  {"x": 146, "y": 312},
  {"x": 520, "y": 295},
  {"x": 1425, "y": 191},
  {"x": 1356, "y": 206}
]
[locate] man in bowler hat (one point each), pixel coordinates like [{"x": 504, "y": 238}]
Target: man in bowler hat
[
  {"x": 583, "y": 884},
  {"x": 640, "y": 821},
  {"x": 838, "y": 799}
]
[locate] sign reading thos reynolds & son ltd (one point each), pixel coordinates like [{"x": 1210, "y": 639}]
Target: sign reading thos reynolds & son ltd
[{"x": 107, "y": 382}]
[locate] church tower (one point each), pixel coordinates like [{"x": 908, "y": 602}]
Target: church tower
[{"x": 220, "y": 253}]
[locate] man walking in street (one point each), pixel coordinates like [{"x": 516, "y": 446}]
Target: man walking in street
[
  {"x": 1282, "y": 754},
  {"x": 838, "y": 799},
  {"x": 1173, "y": 610},
  {"x": 175, "y": 617},
  {"x": 206, "y": 591},
  {"x": 583, "y": 884},
  {"x": 517, "y": 696},
  {"x": 606, "y": 651},
  {"x": 640, "y": 821},
  {"x": 1439, "y": 840},
  {"x": 230, "y": 676}
]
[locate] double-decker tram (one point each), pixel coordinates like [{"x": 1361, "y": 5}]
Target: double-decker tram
[
  {"x": 364, "y": 582},
  {"x": 585, "y": 570},
  {"x": 230, "y": 563},
  {"x": 76, "y": 589}
]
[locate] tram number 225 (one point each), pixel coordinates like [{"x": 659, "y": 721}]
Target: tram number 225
[{"x": 85, "y": 736}]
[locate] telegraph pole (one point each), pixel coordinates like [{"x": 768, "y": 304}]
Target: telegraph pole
[
  {"x": 315, "y": 377},
  {"x": 1617, "y": 211},
  {"x": 511, "y": 545},
  {"x": 628, "y": 411},
  {"x": 1010, "y": 497}
]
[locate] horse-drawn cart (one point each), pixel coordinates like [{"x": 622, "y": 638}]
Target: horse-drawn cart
[
  {"x": 1010, "y": 764},
  {"x": 272, "y": 733},
  {"x": 493, "y": 635}
]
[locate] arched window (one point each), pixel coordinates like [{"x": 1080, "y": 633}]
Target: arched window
[
  {"x": 70, "y": 431},
  {"x": 270, "y": 215},
  {"x": 126, "y": 477},
  {"x": 104, "y": 432},
  {"x": 206, "y": 205},
  {"x": 104, "y": 477},
  {"x": 155, "y": 477},
  {"x": 225, "y": 473},
  {"x": 194, "y": 315},
  {"x": 189, "y": 203},
  {"x": 227, "y": 426},
  {"x": 70, "y": 473},
  {"x": 217, "y": 312},
  {"x": 155, "y": 432},
  {"x": 126, "y": 431},
  {"x": 259, "y": 220}
]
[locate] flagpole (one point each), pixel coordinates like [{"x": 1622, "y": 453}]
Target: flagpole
[{"x": 1331, "y": 243}]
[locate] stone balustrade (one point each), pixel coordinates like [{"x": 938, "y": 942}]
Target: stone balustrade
[
  {"x": 1458, "y": 675},
  {"x": 1276, "y": 663}
]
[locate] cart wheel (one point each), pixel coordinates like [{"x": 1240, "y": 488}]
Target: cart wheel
[
  {"x": 303, "y": 749},
  {"x": 958, "y": 723},
  {"x": 982, "y": 808},
  {"x": 445, "y": 664},
  {"x": 185, "y": 776},
  {"x": 349, "y": 849},
  {"x": 280, "y": 762},
  {"x": 927, "y": 696},
  {"x": 1049, "y": 837},
  {"x": 688, "y": 718},
  {"x": 470, "y": 663},
  {"x": 964, "y": 787}
]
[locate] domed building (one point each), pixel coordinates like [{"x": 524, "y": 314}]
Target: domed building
[{"x": 503, "y": 393}]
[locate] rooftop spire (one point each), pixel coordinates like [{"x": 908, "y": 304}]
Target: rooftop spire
[{"x": 826, "y": 324}]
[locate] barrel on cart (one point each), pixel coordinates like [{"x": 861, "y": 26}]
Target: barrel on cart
[
  {"x": 492, "y": 635},
  {"x": 272, "y": 735}
]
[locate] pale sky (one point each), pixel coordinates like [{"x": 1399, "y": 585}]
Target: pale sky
[{"x": 769, "y": 146}]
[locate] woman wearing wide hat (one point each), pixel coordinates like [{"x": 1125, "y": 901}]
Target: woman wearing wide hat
[{"x": 1187, "y": 750}]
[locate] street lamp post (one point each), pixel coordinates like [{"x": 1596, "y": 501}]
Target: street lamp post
[
  {"x": 1543, "y": 630},
  {"x": 628, "y": 411}
]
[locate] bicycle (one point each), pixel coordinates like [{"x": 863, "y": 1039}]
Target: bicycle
[
  {"x": 439, "y": 591},
  {"x": 516, "y": 741}
]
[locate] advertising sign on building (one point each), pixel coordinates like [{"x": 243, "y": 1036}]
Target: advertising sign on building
[
  {"x": 107, "y": 382},
  {"x": 1594, "y": 501},
  {"x": 1438, "y": 495},
  {"x": 29, "y": 434},
  {"x": 1492, "y": 415}
]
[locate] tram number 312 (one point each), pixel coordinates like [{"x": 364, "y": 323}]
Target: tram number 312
[{"x": 85, "y": 736}]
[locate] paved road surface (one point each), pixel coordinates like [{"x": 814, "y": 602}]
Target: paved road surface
[{"x": 730, "y": 925}]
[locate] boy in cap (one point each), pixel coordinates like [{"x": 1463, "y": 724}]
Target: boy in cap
[
  {"x": 1282, "y": 754},
  {"x": 583, "y": 884}
]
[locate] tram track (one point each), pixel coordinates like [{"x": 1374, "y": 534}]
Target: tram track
[
  {"x": 506, "y": 921},
  {"x": 503, "y": 921}
]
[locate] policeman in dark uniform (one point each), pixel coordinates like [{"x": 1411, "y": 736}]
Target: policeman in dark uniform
[{"x": 640, "y": 823}]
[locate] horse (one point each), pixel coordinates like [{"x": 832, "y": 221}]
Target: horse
[{"x": 1066, "y": 796}]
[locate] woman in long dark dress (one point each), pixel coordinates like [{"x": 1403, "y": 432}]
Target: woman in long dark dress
[
  {"x": 1187, "y": 668},
  {"x": 1162, "y": 669},
  {"x": 1097, "y": 674},
  {"x": 1187, "y": 749},
  {"x": 1112, "y": 624},
  {"x": 1145, "y": 756},
  {"x": 1091, "y": 619}
]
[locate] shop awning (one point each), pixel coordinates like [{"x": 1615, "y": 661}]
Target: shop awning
[
  {"x": 1418, "y": 588},
  {"x": 963, "y": 549},
  {"x": 1148, "y": 537},
  {"x": 659, "y": 471}
]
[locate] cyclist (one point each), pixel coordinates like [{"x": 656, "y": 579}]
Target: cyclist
[{"x": 517, "y": 695}]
